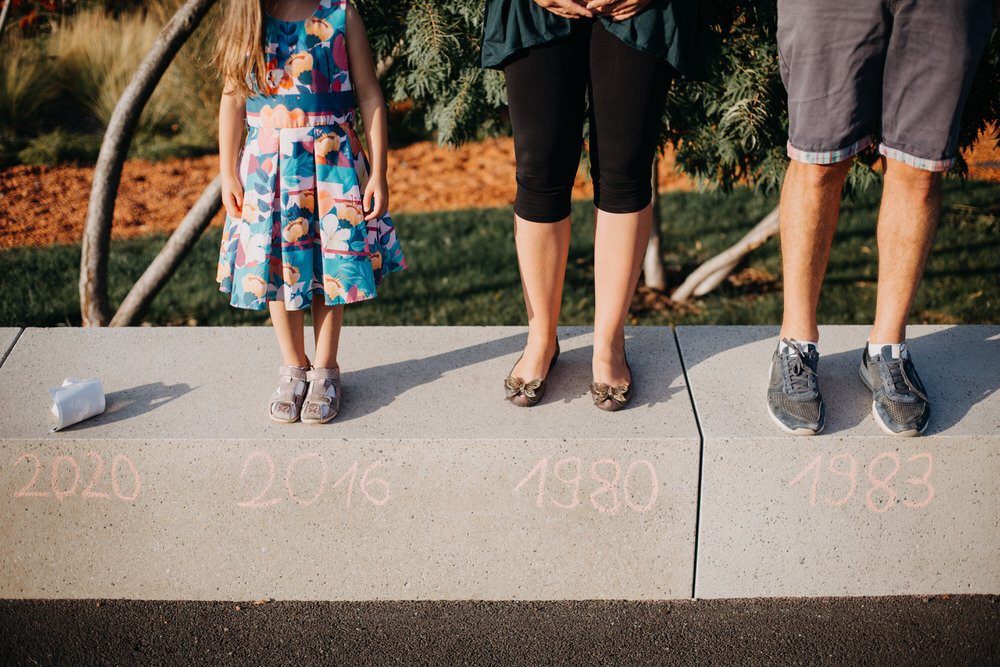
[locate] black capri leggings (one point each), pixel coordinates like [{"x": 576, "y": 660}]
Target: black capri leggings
[{"x": 545, "y": 91}]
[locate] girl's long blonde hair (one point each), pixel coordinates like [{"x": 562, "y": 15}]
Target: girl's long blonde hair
[{"x": 239, "y": 53}]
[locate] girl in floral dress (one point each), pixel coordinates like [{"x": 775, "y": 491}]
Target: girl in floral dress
[{"x": 306, "y": 222}]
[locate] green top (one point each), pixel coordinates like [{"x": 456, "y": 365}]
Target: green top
[{"x": 675, "y": 30}]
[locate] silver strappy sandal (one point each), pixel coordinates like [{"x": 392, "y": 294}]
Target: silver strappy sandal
[
  {"x": 286, "y": 401},
  {"x": 322, "y": 402}
]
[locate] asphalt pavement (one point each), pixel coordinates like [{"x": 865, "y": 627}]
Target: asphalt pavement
[{"x": 911, "y": 630}]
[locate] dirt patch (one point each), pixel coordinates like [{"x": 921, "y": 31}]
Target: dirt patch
[{"x": 44, "y": 205}]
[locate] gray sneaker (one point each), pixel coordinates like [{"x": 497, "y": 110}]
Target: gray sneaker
[
  {"x": 793, "y": 398},
  {"x": 899, "y": 400}
]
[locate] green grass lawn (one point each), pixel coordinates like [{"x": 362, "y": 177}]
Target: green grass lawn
[{"x": 463, "y": 269}]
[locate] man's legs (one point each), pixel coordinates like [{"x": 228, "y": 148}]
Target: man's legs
[
  {"x": 930, "y": 62},
  {"x": 810, "y": 204},
  {"x": 907, "y": 222},
  {"x": 831, "y": 57},
  {"x": 908, "y": 218}
]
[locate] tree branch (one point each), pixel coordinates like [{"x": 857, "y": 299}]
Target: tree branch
[
  {"x": 709, "y": 275},
  {"x": 170, "y": 257},
  {"x": 107, "y": 173},
  {"x": 3, "y": 16},
  {"x": 653, "y": 274}
]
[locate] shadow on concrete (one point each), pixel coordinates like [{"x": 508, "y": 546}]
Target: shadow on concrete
[
  {"x": 129, "y": 403},
  {"x": 691, "y": 356},
  {"x": 371, "y": 389},
  {"x": 571, "y": 377},
  {"x": 959, "y": 366}
]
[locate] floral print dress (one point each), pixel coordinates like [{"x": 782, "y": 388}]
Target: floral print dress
[{"x": 302, "y": 226}]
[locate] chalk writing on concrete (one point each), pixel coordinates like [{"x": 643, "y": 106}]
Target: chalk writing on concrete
[
  {"x": 881, "y": 494},
  {"x": 65, "y": 478},
  {"x": 374, "y": 489},
  {"x": 605, "y": 486}
]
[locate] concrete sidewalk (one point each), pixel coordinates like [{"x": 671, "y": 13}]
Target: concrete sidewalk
[{"x": 430, "y": 486}]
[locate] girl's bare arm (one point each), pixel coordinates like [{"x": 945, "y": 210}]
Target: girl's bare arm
[
  {"x": 232, "y": 111},
  {"x": 371, "y": 104}
]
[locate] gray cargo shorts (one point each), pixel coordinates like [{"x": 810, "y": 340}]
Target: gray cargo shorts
[{"x": 896, "y": 72}]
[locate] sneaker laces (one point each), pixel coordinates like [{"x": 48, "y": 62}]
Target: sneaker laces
[
  {"x": 801, "y": 378},
  {"x": 900, "y": 380}
]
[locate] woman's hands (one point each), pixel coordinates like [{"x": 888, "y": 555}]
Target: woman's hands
[
  {"x": 616, "y": 10},
  {"x": 569, "y": 9}
]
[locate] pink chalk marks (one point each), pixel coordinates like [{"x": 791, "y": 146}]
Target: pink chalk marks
[
  {"x": 65, "y": 478},
  {"x": 374, "y": 489},
  {"x": 880, "y": 496},
  {"x": 607, "y": 473}
]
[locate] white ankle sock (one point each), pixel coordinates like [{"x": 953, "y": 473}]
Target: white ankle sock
[
  {"x": 899, "y": 350},
  {"x": 806, "y": 345}
]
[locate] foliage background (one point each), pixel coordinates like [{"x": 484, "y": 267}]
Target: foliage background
[
  {"x": 728, "y": 129},
  {"x": 731, "y": 128},
  {"x": 58, "y": 84},
  {"x": 65, "y": 64}
]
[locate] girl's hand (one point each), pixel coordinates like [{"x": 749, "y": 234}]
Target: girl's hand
[
  {"x": 570, "y": 9},
  {"x": 376, "y": 199},
  {"x": 617, "y": 10},
  {"x": 232, "y": 195},
  {"x": 232, "y": 113}
]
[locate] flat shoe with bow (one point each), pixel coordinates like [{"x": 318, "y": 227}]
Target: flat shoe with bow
[
  {"x": 526, "y": 394},
  {"x": 611, "y": 398}
]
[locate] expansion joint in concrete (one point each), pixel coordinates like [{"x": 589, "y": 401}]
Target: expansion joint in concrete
[
  {"x": 10, "y": 347},
  {"x": 701, "y": 460}
]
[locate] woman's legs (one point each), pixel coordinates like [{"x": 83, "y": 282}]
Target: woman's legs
[
  {"x": 545, "y": 92},
  {"x": 627, "y": 92},
  {"x": 619, "y": 243},
  {"x": 542, "y": 249},
  {"x": 545, "y": 87}
]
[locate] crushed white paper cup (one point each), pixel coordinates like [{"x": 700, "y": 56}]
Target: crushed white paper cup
[{"x": 76, "y": 400}]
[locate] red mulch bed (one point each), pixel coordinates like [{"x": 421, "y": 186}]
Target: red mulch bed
[{"x": 44, "y": 205}]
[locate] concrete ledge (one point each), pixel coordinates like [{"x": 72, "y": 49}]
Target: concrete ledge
[
  {"x": 427, "y": 486},
  {"x": 430, "y": 486},
  {"x": 781, "y": 515}
]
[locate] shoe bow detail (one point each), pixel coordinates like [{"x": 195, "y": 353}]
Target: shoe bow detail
[
  {"x": 515, "y": 386},
  {"x": 603, "y": 392}
]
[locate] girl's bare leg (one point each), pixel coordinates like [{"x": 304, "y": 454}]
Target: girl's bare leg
[
  {"x": 288, "y": 326},
  {"x": 327, "y": 321}
]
